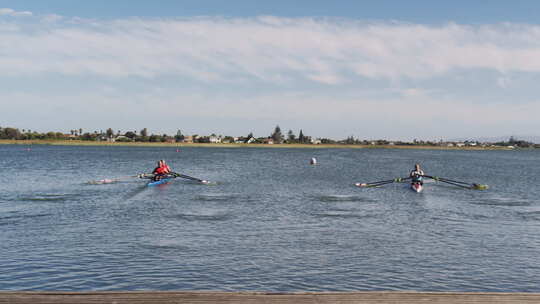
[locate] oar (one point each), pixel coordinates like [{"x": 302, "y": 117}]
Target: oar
[
  {"x": 189, "y": 177},
  {"x": 445, "y": 179},
  {"x": 459, "y": 183},
  {"x": 380, "y": 183}
]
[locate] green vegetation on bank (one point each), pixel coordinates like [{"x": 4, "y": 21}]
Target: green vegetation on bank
[
  {"x": 276, "y": 139},
  {"x": 234, "y": 145}
]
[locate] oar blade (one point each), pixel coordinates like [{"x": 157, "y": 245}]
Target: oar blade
[
  {"x": 479, "y": 187},
  {"x": 202, "y": 181}
]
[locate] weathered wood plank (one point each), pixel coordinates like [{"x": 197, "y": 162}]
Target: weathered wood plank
[{"x": 266, "y": 298}]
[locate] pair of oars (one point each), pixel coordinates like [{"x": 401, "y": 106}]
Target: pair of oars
[
  {"x": 461, "y": 184},
  {"x": 147, "y": 175}
]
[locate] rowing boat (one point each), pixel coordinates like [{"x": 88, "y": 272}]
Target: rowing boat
[
  {"x": 159, "y": 182},
  {"x": 417, "y": 187}
]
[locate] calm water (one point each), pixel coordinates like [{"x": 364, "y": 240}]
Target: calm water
[{"x": 272, "y": 222}]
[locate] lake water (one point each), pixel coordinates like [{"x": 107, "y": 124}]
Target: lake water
[{"x": 271, "y": 223}]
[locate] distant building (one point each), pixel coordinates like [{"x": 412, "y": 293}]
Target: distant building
[
  {"x": 268, "y": 141},
  {"x": 188, "y": 139},
  {"x": 316, "y": 141},
  {"x": 103, "y": 137},
  {"x": 215, "y": 139}
]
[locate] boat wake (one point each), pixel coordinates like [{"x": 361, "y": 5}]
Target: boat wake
[
  {"x": 165, "y": 245},
  {"x": 48, "y": 197},
  {"x": 14, "y": 219},
  {"x": 343, "y": 198},
  {"x": 501, "y": 201},
  {"x": 210, "y": 216},
  {"x": 216, "y": 197},
  {"x": 343, "y": 214}
]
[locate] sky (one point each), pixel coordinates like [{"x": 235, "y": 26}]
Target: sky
[{"x": 398, "y": 70}]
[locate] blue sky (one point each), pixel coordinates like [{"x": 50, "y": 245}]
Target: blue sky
[
  {"x": 371, "y": 69},
  {"x": 420, "y": 11}
]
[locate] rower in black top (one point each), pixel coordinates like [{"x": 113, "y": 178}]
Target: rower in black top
[{"x": 417, "y": 175}]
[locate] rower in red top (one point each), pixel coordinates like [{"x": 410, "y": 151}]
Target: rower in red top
[{"x": 161, "y": 170}]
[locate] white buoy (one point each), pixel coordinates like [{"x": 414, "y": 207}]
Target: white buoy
[{"x": 313, "y": 161}]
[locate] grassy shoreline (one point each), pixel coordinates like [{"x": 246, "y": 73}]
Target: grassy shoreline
[{"x": 180, "y": 145}]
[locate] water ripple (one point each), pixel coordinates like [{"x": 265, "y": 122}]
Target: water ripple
[
  {"x": 215, "y": 216},
  {"x": 274, "y": 223},
  {"x": 216, "y": 197}
]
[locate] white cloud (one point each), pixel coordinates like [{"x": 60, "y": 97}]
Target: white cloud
[
  {"x": 13, "y": 13},
  {"x": 272, "y": 49},
  {"x": 52, "y": 18},
  {"x": 368, "y": 79}
]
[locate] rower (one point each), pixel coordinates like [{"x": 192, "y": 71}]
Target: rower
[
  {"x": 161, "y": 170},
  {"x": 313, "y": 161},
  {"x": 417, "y": 175}
]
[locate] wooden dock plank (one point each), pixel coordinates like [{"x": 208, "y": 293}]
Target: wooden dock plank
[{"x": 266, "y": 298}]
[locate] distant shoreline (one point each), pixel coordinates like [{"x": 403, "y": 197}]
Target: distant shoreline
[{"x": 231, "y": 145}]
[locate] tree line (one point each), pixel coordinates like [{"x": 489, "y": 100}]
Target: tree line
[
  {"x": 144, "y": 136},
  {"x": 275, "y": 137}
]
